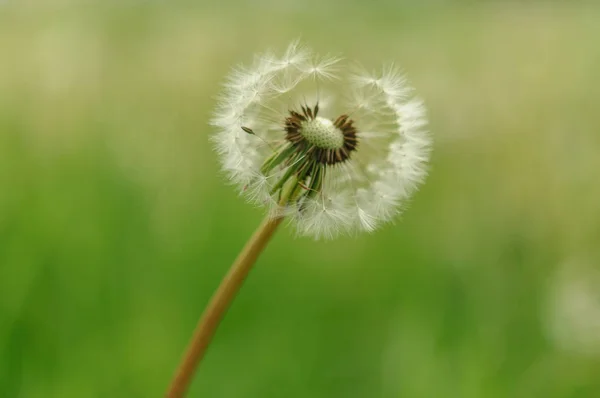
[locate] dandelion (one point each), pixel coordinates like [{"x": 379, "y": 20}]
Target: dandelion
[{"x": 334, "y": 149}]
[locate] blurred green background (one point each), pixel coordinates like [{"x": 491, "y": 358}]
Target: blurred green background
[{"x": 116, "y": 225}]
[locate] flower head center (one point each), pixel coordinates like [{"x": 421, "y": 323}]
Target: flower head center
[
  {"x": 313, "y": 144},
  {"x": 320, "y": 139},
  {"x": 322, "y": 133}
]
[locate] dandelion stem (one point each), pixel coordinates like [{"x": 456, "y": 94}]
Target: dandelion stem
[{"x": 222, "y": 298}]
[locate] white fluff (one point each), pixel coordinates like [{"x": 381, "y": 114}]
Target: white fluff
[{"x": 359, "y": 194}]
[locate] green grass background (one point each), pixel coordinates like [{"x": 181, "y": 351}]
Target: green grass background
[{"x": 116, "y": 226}]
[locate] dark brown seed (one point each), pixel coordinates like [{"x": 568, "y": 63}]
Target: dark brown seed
[
  {"x": 309, "y": 111},
  {"x": 298, "y": 116},
  {"x": 248, "y": 130}
]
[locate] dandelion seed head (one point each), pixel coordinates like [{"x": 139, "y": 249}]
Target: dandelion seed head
[{"x": 336, "y": 149}]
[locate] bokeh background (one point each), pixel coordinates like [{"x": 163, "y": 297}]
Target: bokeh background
[{"x": 116, "y": 226}]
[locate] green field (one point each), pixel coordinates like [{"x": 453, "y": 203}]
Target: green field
[{"x": 116, "y": 224}]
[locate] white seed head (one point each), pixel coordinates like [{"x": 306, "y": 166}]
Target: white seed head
[{"x": 336, "y": 150}]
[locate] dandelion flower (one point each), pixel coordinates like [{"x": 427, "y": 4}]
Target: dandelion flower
[{"x": 333, "y": 148}]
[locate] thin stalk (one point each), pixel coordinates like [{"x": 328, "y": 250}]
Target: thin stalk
[{"x": 218, "y": 305}]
